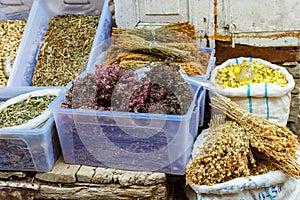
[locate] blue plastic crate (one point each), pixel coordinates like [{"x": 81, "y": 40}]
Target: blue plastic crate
[
  {"x": 124, "y": 140},
  {"x": 29, "y": 150},
  {"x": 41, "y": 12}
]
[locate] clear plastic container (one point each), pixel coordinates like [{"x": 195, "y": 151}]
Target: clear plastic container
[
  {"x": 41, "y": 12},
  {"x": 29, "y": 150},
  {"x": 10, "y": 10},
  {"x": 130, "y": 141}
]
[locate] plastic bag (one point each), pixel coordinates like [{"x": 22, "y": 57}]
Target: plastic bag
[{"x": 35, "y": 122}]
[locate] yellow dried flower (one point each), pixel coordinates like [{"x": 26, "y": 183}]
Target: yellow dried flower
[{"x": 237, "y": 75}]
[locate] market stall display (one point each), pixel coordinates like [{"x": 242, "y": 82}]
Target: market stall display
[
  {"x": 134, "y": 48},
  {"x": 239, "y": 156},
  {"x": 65, "y": 49}
]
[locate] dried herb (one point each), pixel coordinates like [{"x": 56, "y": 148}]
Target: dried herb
[
  {"x": 113, "y": 87},
  {"x": 237, "y": 75},
  {"x": 29, "y": 153},
  {"x": 23, "y": 111},
  {"x": 10, "y": 37},
  {"x": 150, "y": 153},
  {"x": 15, "y": 155},
  {"x": 65, "y": 49}
]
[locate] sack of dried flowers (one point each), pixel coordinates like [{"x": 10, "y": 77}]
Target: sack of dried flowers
[{"x": 258, "y": 85}]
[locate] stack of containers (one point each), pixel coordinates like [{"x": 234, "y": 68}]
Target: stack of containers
[
  {"x": 41, "y": 144},
  {"x": 130, "y": 141}
]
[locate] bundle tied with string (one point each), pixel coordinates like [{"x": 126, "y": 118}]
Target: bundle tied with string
[
  {"x": 134, "y": 48},
  {"x": 269, "y": 141}
]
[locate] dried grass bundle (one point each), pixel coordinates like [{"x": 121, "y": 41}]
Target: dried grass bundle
[
  {"x": 178, "y": 31},
  {"x": 270, "y": 141},
  {"x": 223, "y": 156},
  {"x": 183, "y": 27},
  {"x": 173, "y": 41},
  {"x": 133, "y": 43}
]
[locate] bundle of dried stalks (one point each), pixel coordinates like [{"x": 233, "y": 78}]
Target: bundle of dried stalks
[
  {"x": 175, "y": 41},
  {"x": 269, "y": 141},
  {"x": 134, "y": 43}
]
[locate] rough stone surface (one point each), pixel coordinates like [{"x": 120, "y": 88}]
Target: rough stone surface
[
  {"x": 85, "y": 174},
  {"x": 295, "y": 71},
  {"x": 6, "y": 175},
  {"x": 61, "y": 172},
  {"x": 296, "y": 89},
  {"x": 127, "y": 178},
  {"x": 104, "y": 191},
  {"x": 84, "y": 182}
]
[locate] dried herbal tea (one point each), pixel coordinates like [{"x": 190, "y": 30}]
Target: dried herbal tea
[
  {"x": 21, "y": 112},
  {"x": 225, "y": 154},
  {"x": 65, "y": 49},
  {"x": 237, "y": 75},
  {"x": 225, "y": 160},
  {"x": 10, "y": 37}
]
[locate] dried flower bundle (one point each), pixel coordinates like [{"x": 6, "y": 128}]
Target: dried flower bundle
[
  {"x": 270, "y": 141},
  {"x": 225, "y": 154}
]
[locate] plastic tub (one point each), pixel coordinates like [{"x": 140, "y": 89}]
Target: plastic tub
[
  {"x": 41, "y": 12},
  {"x": 29, "y": 150},
  {"x": 130, "y": 141},
  {"x": 12, "y": 12}
]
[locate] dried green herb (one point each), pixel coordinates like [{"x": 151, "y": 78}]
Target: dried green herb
[
  {"x": 22, "y": 112},
  {"x": 65, "y": 49}
]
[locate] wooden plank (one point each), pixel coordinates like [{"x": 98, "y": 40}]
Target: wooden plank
[
  {"x": 61, "y": 173},
  {"x": 85, "y": 174},
  {"x": 224, "y": 51}
]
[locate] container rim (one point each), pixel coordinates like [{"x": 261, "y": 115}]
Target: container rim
[
  {"x": 26, "y": 132},
  {"x": 54, "y": 106}
]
